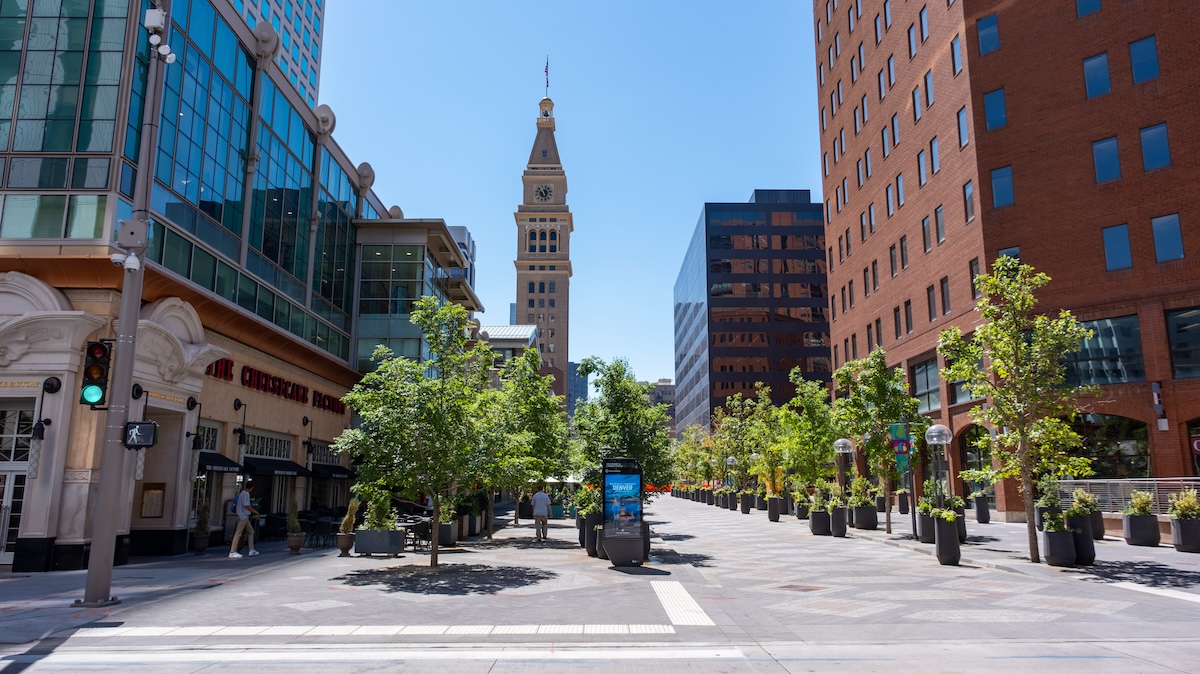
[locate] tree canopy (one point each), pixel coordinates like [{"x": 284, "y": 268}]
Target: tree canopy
[{"x": 622, "y": 422}]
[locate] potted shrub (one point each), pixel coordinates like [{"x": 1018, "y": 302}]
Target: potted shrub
[
  {"x": 1078, "y": 521},
  {"x": 1048, "y": 502},
  {"x": 448, "y": 527},
  {"x": 1140, "y": 524},
  {"x": 983, "y": 510},
  {"x": 881, "y": 504},
  {"x": 200, "y": 533},
  {"x": 802, "y": 503},
  {"x": 295, "y": 535},
  {"x": 1057, "y": 541},
  {"x": 587, "y": 499},
  {"x": 902, "y": 500},
  {"x": 865, "y": 513},
  {"x": 958, "y": 505},
  {"x": 760, "y": 497},
  {"x": 746, "y": 500},
  {"x": 837, "y": 512},
  {"x": 1184, "y": 510},
  {"x": 773, "y": 507},
  {"x": 818, "y": 516},
  {"x": 1087, "y": 501},
  {"x": 925, "y": 507},
  {"x": 345, "y": 537},
  {"x": 946, "y": 545},
  {"x": 380, "y": 532}
]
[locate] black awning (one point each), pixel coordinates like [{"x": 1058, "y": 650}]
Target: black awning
[
  {"x": 326, "y": 471},
  {"x": 255, "y": 465},
  {"x": 218, "y": 463}
]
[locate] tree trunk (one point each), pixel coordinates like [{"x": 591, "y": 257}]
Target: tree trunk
[
  {"x": 1027, "y": 489},
  {"x": 491, "y": 511},
  {"x": 436, "y": 530},
  {"x": 887, "y": 508}
]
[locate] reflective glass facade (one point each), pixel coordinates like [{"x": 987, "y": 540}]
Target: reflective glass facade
[{"x": 750, "y": 302}]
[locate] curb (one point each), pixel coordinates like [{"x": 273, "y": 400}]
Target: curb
[{"x": 928, "y": 550}]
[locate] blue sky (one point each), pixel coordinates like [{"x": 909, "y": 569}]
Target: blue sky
[{"x": 661, "y": 106}]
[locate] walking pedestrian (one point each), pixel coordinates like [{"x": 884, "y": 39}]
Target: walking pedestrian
[
  {"x": 243, "y": 510},
  {"x": 541, "y": 513}
]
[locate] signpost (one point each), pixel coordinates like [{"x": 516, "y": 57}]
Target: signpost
[
  {"x": 623, "y": 523},
  {"x": 902, "y": 443}
]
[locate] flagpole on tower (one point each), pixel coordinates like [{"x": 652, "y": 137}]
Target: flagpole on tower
[{"x": 547, "y": 76}]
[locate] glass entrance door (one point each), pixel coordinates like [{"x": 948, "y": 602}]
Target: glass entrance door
[{"x": 12, "y": 495}]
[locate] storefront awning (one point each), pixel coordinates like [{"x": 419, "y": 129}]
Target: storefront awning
[
  {"x": 255, "y": 465},
  {"x": 326, "y": 471},
  {"x": 218, "y": 463}
]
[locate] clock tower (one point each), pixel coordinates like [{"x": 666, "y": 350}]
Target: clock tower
[{"x": 544, "y": 249}]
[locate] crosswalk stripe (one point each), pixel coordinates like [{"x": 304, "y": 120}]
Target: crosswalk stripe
[
  {"x": 377, "y": 630},
  {"x": 679, "y": 605}
]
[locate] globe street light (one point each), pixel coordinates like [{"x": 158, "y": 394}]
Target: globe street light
[
  {"x": 844, "y": 449},
  {"x": 729, "y": 461},
  {"x": 938, "y": 434}
]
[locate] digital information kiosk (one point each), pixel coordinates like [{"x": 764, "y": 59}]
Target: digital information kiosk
[{"x": 623, "y": 511}]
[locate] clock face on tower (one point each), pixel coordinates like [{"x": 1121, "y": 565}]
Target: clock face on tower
[{"x": 543, "y": 192}]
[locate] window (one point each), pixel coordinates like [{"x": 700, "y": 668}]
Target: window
[
  {"x": 973, "y": 269},
  {"x": 879, "y": 332},
  {"x": 882, "y": 85},
  {"x": 1095, "y": 75},
  {"x": 896, "y": 321},
  {"x": 939, "y": 224},
  {"x": 989, "y": 34},
  {"x": 878, "y": 29},
  {"x": 1156, "y": 152},
  {"x": 892, "y": 255},
  {"x": 969, "y": 201},
  {"x": 1013, "y": 252},
  {"x": 916, "y": 95},
  {"x": 922, "y": 177},
  {"x": 825, "y": 163},
  {"x": 908, "y": 321},
  {"x": 865, "y": 115},
  {"x": 870, "y": 338},
  {"x": 857, "y": 122},
  {"x": 1116, "y": 248},
  {"x": 956, "y": 55},
  {"x": 1002, "y": 187},
  {"x": 854, "y": 68},
  {"x": 904, "y": 252},
  {"x": 843, "y": 299},
  {"x": 935, "y": 162},
  {"x": 1143, "y": 56},
  {"x": 912, "y": 41},
  {"x": 945, "y": 283},
  {"x": 924, "y": 24},
  {"x": 867, "y": 158},
  {"x": 926, "y": 234},
  {"x": 847, "y": 242},
  {"x": 1085, "y": 7},
  {"x": 1113, "y": 354},
  {"x": 552, "y": 287},
  {"x": 862, "y": 225},
  {"x": 866, "y": 282},
  {"x": 854, "y": 345},
  {"x": 874, "y": 274},
  {"x": 1107, "y": 160},
  {"x": 895, "y": 129},
  {"x": 926, "y": 384},
  {"x": 963, "y": 131},
  {"x": 931, "y": 300},
  {"x": 841, "y": 249},
  {"x": 994, "y": 109},
  {"x": 1168, "y": 240},
  {"x": 928, "y": 88},
  {"x": 871, "y": 213},
  {"x": 887, "y": 13},
  {"x": 1183, "y": 326},
  {"x": 850, "y": 286},
  {"x": 886, "y": 135},
  {"x": 899, "y": 189},
  {"x": 891, "y": 71},
  {"x": 890, "y": 199},
  {"x": 859, "y": 171}
]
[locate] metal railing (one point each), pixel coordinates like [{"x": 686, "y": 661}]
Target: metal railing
[{"x": 1113, "y": 495}]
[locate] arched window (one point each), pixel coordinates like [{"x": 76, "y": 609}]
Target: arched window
[
  {"x": 542, "y": 236},
  {"x": 554, "y": 236},
  {"x": 552, "y": 287},
  {"x": 533, "y": 236},
  {"x": 531, "y": 287},
  {"x": 542, "y": 287}
]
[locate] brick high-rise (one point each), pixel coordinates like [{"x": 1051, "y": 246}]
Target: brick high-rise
[{"x": 954, "y": 132}]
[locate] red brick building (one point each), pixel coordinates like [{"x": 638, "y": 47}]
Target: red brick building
[{"x": 955, "y": 131}]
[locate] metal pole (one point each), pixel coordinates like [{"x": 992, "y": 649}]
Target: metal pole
[{"x": 106, "y": 512}]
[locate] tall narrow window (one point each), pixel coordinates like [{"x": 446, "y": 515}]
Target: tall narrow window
[
  {"x": 862, "y": 225},
  {"x": 1095, "y": 75},
  {"x": 973, "y": 269},
  {"x": 859, "y": 168},
  {"x": 878, "y": 29},
  {"x": 892, "y": 258},
  {"x": 928, "y": 88},
  {"x": 850, "y": 286},
  {"x": 904, "y": 252},
  {"x": 882, "y": 85},
  {"x": 924, "y": 24},
  {"x": 1168, "y": 240},
  {"x": 891, "y": 71},
  {"x": 912, "y": 41},
  {"x": 871, "y": 216},
  {"x": 969, "y": 201},
  {"x": 922, "y": 177},
  {"x": 899, "y": 190},
  {"x": 866, "y": 282},
  {"x": 1002, "y": 187},
  {"x": 989, "y": 34},
  {"x": 867, "y": 158},
  {"x": 916, "y": 95},
  {"x": 865, "y": 114},
  {"x": 945, "y": 283},
  {"x": 1143, "y": 56},
  {"x": 908, "y": 321},
  {"x": 939, "y": 224},
  {"x": 926, "y": 234},
  {"x": 1156, "y": 152},
  {"x": 870, "y": 338},
  {"x": 1117, "y": 254},
  {"x": 887, "y": 13},
  {"x": 874, "y": 274},
  {"x": 931, "y": 302},
  {"x": 935, "y": 161},
  {"x": 963, "y": 130},
  {"x": 886, "y": 135},
  {"x": 1107, "y": 159},
  {"x": 895, "y": 129},
  {"x": 956, "y": 55},
  {"x": 896, "y": 320},
  {"x": 890, "y": 200},
  {"x": 994, "y": 109}
]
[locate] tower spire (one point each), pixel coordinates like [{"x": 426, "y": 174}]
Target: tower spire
[{"x": 547, "y": 76}]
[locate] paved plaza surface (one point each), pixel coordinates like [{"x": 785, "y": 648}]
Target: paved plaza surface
[{"x": 723, "y": 592}]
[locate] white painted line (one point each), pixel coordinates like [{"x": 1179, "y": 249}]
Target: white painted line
[
  {"x": 332, "y": 630},
  {"x": 282, "y": 630},
  {"x": 606, "y": 629},
  {"x": 368, "y": 630},
  {"x": 1161, "y": 591},
  {"x": 387, "y": 630},
  {"x": 147, "y": 631},
  {"x": 515, "y": 629},
  {"x": 679, "y": 605},
  {"x": 193, "y": 631},
  {"x": 377, "y": 655},
  {"x": 560, "y": 629},
  {"x": 241, "y": 631},
  {"x": 470, "y": 629},
  {"x": 101, "y": 631},
  {"x": 425, "y": 629},
  {"x": 651, "y": 629}
]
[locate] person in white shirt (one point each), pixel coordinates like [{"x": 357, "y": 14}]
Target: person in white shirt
[
  {"x": 541, "y": 513},
  {"x": 243, "y": 510}
]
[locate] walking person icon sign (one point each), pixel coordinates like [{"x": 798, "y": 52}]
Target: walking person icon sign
[{"x": 141, "y": 434}]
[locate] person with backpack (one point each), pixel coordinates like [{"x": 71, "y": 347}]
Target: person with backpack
[{"x": 243, "y": 510}]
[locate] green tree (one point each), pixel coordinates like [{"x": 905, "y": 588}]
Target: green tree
[
  {"x": 420, "y": 425},
  {"x": 877, "y": 396},
  {"x": 738, "y": 433},
  {"x": 621, "y": 422},
  {"x": 690, "y": 454},
  {"x": 807, "y": 431},
  {"x": 1028, "y": 400}
]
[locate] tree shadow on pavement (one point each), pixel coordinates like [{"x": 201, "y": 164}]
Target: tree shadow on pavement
[
  {"x": 671, "y": 557},
  {"x": 640, "y": 570},
  {"x": 1153, "y": 574},
  {"x": 448, "y": 579},
  {"x": 527, "y": 544},
  {"x": 676, "y": 537}
]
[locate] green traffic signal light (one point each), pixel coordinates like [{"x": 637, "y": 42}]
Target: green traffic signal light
[
  {"x": 91, "y": 394},
  {"x": 97, "y": 358}
]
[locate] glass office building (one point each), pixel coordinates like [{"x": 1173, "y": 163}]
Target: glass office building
[{"x": 750, "y": 302}]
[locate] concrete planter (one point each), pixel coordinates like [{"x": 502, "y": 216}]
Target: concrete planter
[
  {"x": 866, "y": 518},
  {"x": 378, "y": 542},
  {"x": 1141, "y": 530},
  {"x": 1185, "y": 535},
  {"x": 946, "y": 544},
  {"x": 590, "y": 534},
  {"x": 448, "y": 534},
  {"x": 903, "y": 504},
  {"x": 760, "y": 502},
  {"x": 837, "y": 522},
  {"x": 1059, "y": 548},
  {"x": 819, "y": 523},
  {"x": 801, "y": 512},
  {"x": 747, "y": 502},
  {"x": 983, "y": 513},
  {"x": 773, "y": 504},
  {"x": 925, "y": 531},
  {"x": 345, "y": 542},
  {"x": 1080, "y": 527},
  {"x": 1097, "y": 525}
]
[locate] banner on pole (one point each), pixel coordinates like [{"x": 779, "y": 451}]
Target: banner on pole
[{"x": 901, "y": 442}]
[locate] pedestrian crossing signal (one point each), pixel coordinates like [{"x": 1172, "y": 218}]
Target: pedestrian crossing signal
[
  {"x": 97, "y": 359},
  {"x": 141, "y": 434}
]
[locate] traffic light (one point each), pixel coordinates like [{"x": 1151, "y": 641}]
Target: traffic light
[{"x": 97, "y": 358}]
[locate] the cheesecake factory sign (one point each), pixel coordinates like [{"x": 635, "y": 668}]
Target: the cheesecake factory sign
[{"x": 268, "y": 383}]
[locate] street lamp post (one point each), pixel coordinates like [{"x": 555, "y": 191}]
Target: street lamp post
[
  {"x": 938, "y": 434},
  {"x": 844, "y": 449},
  {"x": 131, "y": 236},
  {"x": 729, "y": 461}
]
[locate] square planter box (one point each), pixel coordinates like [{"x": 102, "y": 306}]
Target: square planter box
[{"x": 378, "y": 542}]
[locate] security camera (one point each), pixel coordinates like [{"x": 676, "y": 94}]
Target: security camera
[
  {"x": 132, "y": 263},
  {"x": 118, "y": 259}
]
